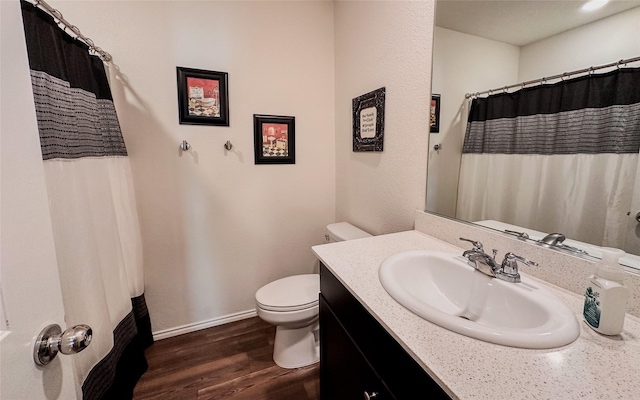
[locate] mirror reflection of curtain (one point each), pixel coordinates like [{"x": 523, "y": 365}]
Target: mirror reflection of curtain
[
  {"x": 92, "y": 206},
  {"x": 561, "y": 157}
]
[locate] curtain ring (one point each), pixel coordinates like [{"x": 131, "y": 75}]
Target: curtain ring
[
  {"x": 590, "y": 71},
  {"x": 620, "y": 63},
  {"x": 57, "y": 14},
  {"x": 522, "y": 86},
  {"x": 543, "y": 81},
  {"x": 505, "y": 89},
  {"x": 490, "y": 92}
]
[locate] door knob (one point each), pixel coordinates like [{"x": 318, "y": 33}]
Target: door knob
[{"x": 52, "y": 340}]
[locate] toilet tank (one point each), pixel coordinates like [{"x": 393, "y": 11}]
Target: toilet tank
[{"x": 344, "y": 231}]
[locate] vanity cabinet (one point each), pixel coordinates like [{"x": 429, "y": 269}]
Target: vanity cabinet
[{"x": 358, "y": 357}]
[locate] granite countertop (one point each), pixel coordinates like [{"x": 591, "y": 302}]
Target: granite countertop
[{"x": 592, "y": 367}]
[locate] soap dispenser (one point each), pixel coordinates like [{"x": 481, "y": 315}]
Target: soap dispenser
[{"x": 605, "y": 300}]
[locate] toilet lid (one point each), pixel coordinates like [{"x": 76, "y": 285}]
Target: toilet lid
[{"x": 289, "y": 294}]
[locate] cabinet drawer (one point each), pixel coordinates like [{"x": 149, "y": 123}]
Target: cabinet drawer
[{"x": 403, "y": 376}]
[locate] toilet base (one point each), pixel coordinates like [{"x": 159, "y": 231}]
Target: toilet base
[{"x": 297, "y": 347}]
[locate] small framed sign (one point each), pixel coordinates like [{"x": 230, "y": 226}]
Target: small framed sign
[
  {"x": 368, "y": 121},
  {"x": 274, "y": 139},
  {"x": 434, "y": 119},
  {"x": 203, "y": 97}
]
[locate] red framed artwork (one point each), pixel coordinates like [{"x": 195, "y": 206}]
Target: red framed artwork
[
  {"x": 203, "y": 97},
  {"x": 274, "y": 139},
  {"x": 434, "y": 113}
]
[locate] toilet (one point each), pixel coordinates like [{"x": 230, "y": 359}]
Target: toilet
[{"x": 291, "y": 304}]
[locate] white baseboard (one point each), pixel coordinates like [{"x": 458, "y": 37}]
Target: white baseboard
[{"x": 179, "y": 330}]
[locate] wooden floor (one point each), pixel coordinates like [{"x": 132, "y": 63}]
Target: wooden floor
[{"x": 232, "y": 361}]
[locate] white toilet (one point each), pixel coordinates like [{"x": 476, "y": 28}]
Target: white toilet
[{"x": 291, "y": 303}]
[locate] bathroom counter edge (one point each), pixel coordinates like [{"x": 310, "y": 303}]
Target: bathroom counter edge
[{"x": 467, "y": 368}]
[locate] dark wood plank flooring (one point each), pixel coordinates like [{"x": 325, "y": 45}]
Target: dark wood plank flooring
[{"x": 232, "y": 361}]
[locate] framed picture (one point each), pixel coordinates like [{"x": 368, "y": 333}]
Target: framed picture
[
  {"x": 368, "y": 121},
  {"x": 274, "y": 139},
  {"x": 203, "y": 97},
  {"x": 434, "y": 120}
]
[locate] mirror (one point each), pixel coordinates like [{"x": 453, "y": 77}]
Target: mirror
[{"x": 483, "y": 45}]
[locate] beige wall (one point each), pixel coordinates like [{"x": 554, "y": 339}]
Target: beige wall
[
  {"x": 383, "y": 44},
  {"x": 215, "y": 226},
  {"x": 601, "y": 42},
  {"x": 462, "y": 63}
]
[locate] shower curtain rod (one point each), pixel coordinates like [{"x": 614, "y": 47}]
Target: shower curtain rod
[
  {"x": 559, "y": 76},
  {"x": 104, "y": 56}
]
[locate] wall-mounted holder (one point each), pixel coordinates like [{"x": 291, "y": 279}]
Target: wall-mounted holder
[
  {"x": 437, "y": 147},
  {"x": 185, "y": 146},
  {"x": 228, "y": 145}
]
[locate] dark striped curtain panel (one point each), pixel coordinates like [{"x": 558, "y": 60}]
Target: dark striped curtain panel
[{"x": 587, "y": 115}]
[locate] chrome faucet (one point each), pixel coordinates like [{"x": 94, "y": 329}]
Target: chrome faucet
[
  {"x": 481, "y": 261},
  {"x": 553, "y": 239},
  {"x": 557, "y": 239}
]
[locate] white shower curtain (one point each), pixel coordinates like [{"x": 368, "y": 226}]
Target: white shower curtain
[
  {"x": 93, "y": 211},
  {"x": 584, "y": 196},
  {"x": 99, "y": 252}
]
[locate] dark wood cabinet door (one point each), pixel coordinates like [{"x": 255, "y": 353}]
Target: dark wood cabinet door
[
  {"x": 400, "y": 374},
  {"x": 344, "y": 372}
]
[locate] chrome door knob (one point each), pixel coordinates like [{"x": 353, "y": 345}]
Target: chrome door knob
[
  {"x": 52, "y": 340},
  {"x": 74, "y": 340}
]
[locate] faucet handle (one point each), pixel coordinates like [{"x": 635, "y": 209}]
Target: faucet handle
[
  {"x": 509, "y": 268},
  {"x": 477, "y": 246},
  {"x": 513, "y": 257},
  {"x": 521, "y": 235}
]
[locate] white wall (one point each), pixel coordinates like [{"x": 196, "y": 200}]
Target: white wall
[
  {"x": 383, "y": 44},
  {"x": 462, "y": 63},
  {"x": 215, "y": 226},
  {"x": 601, "y": 42}
]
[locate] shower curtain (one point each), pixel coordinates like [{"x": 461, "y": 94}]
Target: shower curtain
[
  {"x": 561, "y": 157},
  {"x": 92, "y": 205}
]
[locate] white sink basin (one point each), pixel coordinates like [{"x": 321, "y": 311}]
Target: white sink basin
[{"x": 443, "y": 289}]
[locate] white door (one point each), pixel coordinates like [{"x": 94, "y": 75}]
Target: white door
[{"x": 30, "y": 296}]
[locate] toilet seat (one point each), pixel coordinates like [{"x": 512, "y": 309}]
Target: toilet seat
[{"x": 293, "y": 293}]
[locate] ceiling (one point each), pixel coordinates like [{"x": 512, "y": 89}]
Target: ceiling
[{"x": 520, "y": 22}]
